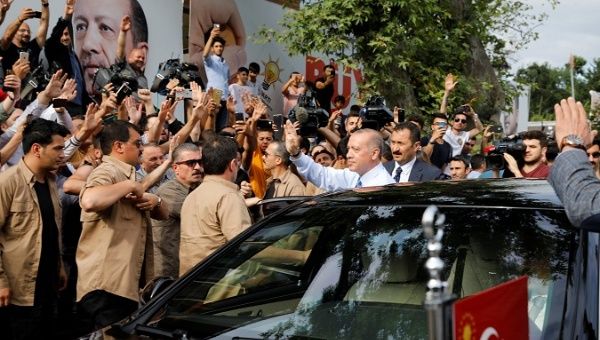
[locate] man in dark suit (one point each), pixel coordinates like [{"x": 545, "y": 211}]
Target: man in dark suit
[{"x": 406, "y": 167}]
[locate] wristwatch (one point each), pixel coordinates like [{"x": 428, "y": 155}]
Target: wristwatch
[{"x": 573, "y": 141}]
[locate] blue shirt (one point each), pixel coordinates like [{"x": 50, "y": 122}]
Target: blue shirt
[
  {"x": 217, "y": 73},
  {"x": 332, "y": 179}
]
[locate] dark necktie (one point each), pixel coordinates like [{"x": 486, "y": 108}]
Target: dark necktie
[{"x": 397, "y": 174}]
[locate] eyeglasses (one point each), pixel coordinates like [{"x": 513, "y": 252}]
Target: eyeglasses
[
  {"x": 138, "y": 142},
  {"x": 456, "y": 120},
  {"x": 190, "y": 162},
  {"x": 594, "y": 154}
]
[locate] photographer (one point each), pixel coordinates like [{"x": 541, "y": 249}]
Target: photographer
[
  {"x": 324, "y": 88},
  {"x": 16, "y": 42},
  {"x": 291, "y": 91},
  {"x": 136, "y": 60},
  {"x": 457, "y": 136},
  {"x": 535, "y": 144},
  {"x": 435, "y": 148}
]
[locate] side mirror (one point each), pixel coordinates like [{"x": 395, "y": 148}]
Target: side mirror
[{"x": 154, "y": 287}]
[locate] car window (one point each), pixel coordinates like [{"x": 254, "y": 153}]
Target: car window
[{"x": 358, "y": 272}]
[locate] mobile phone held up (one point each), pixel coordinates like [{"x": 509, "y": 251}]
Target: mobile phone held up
[
  {"x": 24, "y": 56},
  {"x": 59, "y": 102}
]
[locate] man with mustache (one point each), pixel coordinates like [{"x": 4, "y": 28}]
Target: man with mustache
[
  {"x": 97, "y": 25},
  {"x": 363, "y": 159},
  {"x": 187, "y": 165},
  {"x": 406, "y": 167},
  {"x": 17, "y": 37}
]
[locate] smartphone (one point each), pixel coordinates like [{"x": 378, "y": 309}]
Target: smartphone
[
  {"x": 264, "y": 124},
  {"x": 217, "y": 26},
  {"x": 185, "y": 94},
  {"x": 217, "y": 94},
  {"x": 496, "y": 129},
  {"x": 24, "y": 56},
  {"x": 59, "y": 102},
  {"x": 37, "y": 14},
  {"x": 239, "y": 117}
]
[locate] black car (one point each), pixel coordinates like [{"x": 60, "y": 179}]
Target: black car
[{"x": 350, "y": 265}]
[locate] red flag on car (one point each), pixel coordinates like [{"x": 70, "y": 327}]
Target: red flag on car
[{"x": 497, "y": 313}]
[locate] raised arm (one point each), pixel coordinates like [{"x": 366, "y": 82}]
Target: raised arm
[
  {"x": 11, "y": 30},
  {"x": 449, "y": 84},
  {"x": 215, "y": 32},
  {"x": 125, "y": 26},
  {"x": 44, "y": 24},
  {"x": 4, "y": 7}
]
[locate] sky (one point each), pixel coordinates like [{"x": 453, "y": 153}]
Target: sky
[{"x": 572, "y": 27}]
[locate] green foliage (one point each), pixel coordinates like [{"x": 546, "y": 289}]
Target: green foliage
[
  {"x": 405, "y": 47},
  {"x": 551, "y": 84}
]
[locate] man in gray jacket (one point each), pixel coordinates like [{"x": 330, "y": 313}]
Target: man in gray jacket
[{"x": 572, "y": 176}]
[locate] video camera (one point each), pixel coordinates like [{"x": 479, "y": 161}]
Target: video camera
[
  {"x": 175, "y": 69},
  {"x": 36, "y": 81},
  {"x": 310, "y": 117},
  {"x": 123, "y": 78},
  {"x": 375, "y": 114},
  {"x": 513, "y": 146}
]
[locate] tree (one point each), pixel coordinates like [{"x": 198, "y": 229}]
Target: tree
[{"x": 405, "y": 48}]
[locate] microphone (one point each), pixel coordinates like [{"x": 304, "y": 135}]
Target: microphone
[{"x": 301, "y": 114}]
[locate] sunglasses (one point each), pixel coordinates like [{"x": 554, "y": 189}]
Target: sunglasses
[
  {"x": 456, "y": 120},
  {"x": 190, "y": 162},
  {"x": 594, "y": 154}
]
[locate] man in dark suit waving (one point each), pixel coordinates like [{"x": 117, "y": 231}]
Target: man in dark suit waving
[{"x": 406, "y": 167}]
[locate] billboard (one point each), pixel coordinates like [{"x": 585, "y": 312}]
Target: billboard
[
  {"x": 240, "y": 20},
  {"x": 96, "y": 26}
]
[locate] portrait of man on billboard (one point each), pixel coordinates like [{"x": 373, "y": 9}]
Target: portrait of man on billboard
[{"x": 96, "y": 26}]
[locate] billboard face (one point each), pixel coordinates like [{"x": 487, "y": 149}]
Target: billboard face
[
  {"x": 156, "y": 27},
  {"x": 240, "y": 20}
]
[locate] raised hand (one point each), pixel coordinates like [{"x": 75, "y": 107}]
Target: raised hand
[
  {"x": 571, "y": 119},
  {"x": 21, "y": 68},
  {"x": 292, "y": 139},
  {"x": 450, "y": 82},
  {"x": 125, "y": 23}
]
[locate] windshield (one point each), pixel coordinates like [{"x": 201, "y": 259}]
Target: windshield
[{"x": 358, "y": 272}]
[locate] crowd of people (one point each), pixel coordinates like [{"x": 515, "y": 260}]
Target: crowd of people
[{"x": 101, "y": 194}]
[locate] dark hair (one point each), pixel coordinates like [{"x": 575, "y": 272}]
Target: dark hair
[
  {"x": 596, "y": 141},
  {"x": 552, "y": 151},
  {"x": 242, "y": 69},
  {"x": 139, "y": 23},
  {"x": 417, "y": 118},
  {"x": 439, "y": 115},
  {"x": 254, "y": 67},
  {"x": 40, "y": 131},
  {"x": 536, "y": 134},
  {"x": 341, "y": 99},
  {"x": 216, "y": 40},
  {"x": 415, "y": 133},
  {"x": 477, "y": 161},
  {"x": 115, "y": 131},
  {"x": 460, "y": 159},
  {"x": 217, "y": 153},
  {"x": 355, "y": 109},
  {"x": 386, "y": 152}
]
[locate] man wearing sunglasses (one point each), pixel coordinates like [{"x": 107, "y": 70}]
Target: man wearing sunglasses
[
  {"x": 189, "y": 172},
  {"x": 457, "y": 136},
  {"x": 593, "y": 153}
]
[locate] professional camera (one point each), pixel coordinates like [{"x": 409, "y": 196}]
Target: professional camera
[
  {"x": 123, "y": 78},
  {"x": 511, "y": 145},
  {"x": 375, "y": 113},
  {"x": 175, "y": 69},
  {"x": 36, "y": 81},
  {"x": 310, "y": 117}
]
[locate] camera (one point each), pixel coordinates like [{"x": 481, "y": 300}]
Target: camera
[
  {"x": 513, "y": 146},
  {"x": 175, "y": 69},
  {"x": 375, "y": 113},
  {"x": 36, "y": 81},
  {"x": 122, "y": 77},
  {"x": 310, "y": 117}
]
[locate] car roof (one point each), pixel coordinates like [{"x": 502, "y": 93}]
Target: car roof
[{"x": 494, "y": 193}]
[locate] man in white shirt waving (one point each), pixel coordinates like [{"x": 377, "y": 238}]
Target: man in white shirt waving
[{"x": 363, "y": 159}]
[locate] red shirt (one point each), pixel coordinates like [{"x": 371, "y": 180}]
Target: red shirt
[{"x": 541, "y": 171}]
